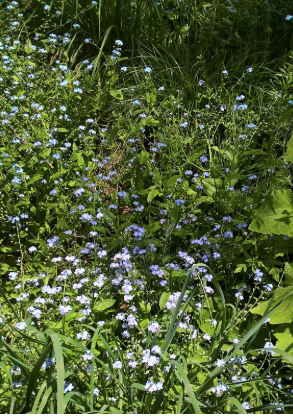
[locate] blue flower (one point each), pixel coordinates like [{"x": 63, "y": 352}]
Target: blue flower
[
  {"x": 203, "y": 159},
  {"x": 147, "y": 69}
]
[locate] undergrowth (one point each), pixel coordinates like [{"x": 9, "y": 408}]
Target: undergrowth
[{"x": 146, "y": 208}]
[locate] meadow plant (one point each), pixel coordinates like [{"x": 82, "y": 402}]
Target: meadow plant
[{"x": 146, "y": 240}]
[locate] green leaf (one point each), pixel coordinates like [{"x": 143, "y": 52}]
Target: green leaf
[
  {"x": 164, "y": 299},
  {"x": 116, "y": 94},
  {"x": 289, "y": 154},
  {"x": 143, "y": 157},
  {"x": 253, "y": 152},
  {"x": 35, "y": 374},
  {"x": 288, "y": 273},
  {"x": 157, "y": 177},
  {"x": 152, "y": 228},
  {"x": 9, "y": 249},
  {"x": 60, "y": 373},
  {"x": 171, "y": 182},
  {"x": 42, "y": 135},
  {"x": 62, "y": 130},
  {"x": 239, "y": 406},
  {"x": 188, "y": 387},
  {"x": 153, "y": 194},
  {"x": 284, "y": 312},
  {"x": 288, "y": 114},
  {"x": 104, "y": 304},
  {"x": 284, "y": 335},
  {"x": 109, "y": 216},
  {"x": 78, "y": 157},
  {"x": 275, "y": 216},
  {"x": 35, "y": 179}
]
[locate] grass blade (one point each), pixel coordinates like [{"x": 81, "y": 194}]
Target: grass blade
[
  {"x": 188, "y": 387},
  {"x": 34, "y": 375},
  {"x": 60, "y": 373}
]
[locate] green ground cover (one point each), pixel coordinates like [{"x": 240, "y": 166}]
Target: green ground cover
[{"x": 146, "y": 206}]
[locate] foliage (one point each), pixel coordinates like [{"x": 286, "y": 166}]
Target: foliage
[{"x": 146, "y": 235}]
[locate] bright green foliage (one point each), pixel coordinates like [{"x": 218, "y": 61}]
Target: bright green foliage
[
  {"x": 275, "y": 215},
  {"x": 146, "y": 208}
]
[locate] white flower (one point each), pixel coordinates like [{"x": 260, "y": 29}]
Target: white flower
[{"x": 117, "y": 364}]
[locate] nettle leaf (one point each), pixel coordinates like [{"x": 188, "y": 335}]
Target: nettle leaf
[
  {"x": 284, "y": 335},
  {"x": 284, "y": 312},
  {"x": 289, "y": 154},
  {"x": 104, "y": 304},
  {"x": 275, "y": 216}
]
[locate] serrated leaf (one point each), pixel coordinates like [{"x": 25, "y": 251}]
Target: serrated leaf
[{"x": 275, "y": 216}]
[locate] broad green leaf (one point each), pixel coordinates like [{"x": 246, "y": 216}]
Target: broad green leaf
[
  {"x": 143, "y": 157},
  {"x": 153, "y": 194},
  {"x": 171, "y": 182},
  {"x": 164, "y": 299},
  {"x": 104, "y": 304},
  {"x": 284, "y": 335},
  {"x": 288, "y": 273},
  {"x": 288, "y": 114},
  {"x": 116, "y": 94},
  {"x": 275, "y": 216},
  {"x": 152, "y": 228},
  {"x": 284, "y": 312}
]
